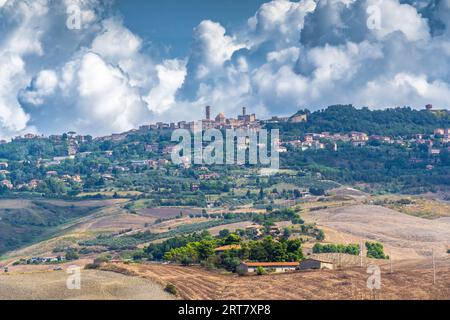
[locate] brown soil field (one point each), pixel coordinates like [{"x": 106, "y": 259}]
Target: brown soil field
[
  {"x": 95, "y": 285},
  {"x": 120, "y": 221},
  {"x": 404, "y": 236},
  {"x": 195, "y": 283}
]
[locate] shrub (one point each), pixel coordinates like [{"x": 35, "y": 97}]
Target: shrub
[
  {"x": 139, "y": 255},
  {"x": 260, "y": 271},
  {"x": 209, "y": 263},
  {"x": 92, "y": 266},
  {"x": 320, "y": 236},
  {"x": 101, "y": 259},
  {"x": 317, "y": 191},
  {"x": 352, "y": 249},
  {"x": 375, "y": 250},
  {"x": 170, "y": 288},
  {"x": 71, "y": 254}
]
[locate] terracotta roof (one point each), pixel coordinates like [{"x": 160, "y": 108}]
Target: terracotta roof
[
  {"x": 228, "y": 247},
  {"x": 272, "y": 264}
]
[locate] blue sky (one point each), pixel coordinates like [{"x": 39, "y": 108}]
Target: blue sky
[
  {"x": 133, "y": 62},
  {"x": 169, "y": 23}
]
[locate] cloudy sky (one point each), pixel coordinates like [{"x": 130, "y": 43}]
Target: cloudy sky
[{"x": 103, "y": 66}]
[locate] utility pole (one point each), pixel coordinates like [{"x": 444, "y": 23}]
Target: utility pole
[
  {"x": 434, "y": 269},
  {"x": 361, "y": 253},
  {"x": 390, "y": 262}
]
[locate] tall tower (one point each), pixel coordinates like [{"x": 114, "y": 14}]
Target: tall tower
[
  {"x": 244, "y": 111},
  {"x": 208, "y": 113}
]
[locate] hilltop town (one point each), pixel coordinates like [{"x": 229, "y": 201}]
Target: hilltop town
[{"x": 59, "y": 157}]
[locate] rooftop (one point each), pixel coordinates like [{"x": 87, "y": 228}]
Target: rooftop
[
  {"x": 272, "y": 264},
  {"x": 229, "y": 247}
]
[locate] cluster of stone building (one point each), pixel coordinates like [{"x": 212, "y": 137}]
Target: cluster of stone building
[
  {"x": 437, "y": 143},
  {"x": 316, "y": 141}
]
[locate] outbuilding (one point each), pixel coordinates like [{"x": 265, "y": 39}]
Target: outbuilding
[{"x": 316, "y": 264}]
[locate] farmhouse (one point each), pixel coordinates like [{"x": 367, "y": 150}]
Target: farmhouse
[
  {"x": 315, "y": 264},
  {"x": 277, "y": 267}
]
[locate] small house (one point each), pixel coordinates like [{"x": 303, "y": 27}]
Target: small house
[{"x": 316, "y": 264}]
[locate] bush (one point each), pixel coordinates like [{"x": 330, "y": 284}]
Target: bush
[
  {"x": 139, "y": 255},
  {"x": 320, "y": 236},
  {"x": 71, "y": 254},
  {"x": 209, "y": 263},
  {"x": 352, "y": 249},
  {"x": 92, "y": 266},
  {"x": 375, "y": 250},
  {"x": 260, "y": 271},
  {"x": 101, "y": 259},
  {"x": 317, "y": 191},
  {"x": 170, "y": 288}
]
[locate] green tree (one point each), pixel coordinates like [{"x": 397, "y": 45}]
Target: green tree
[
  {"x": 71, "y": 254},
  {"x": 260, "y": 271},
  {"x": 205, "y": 249},
  {"x": 375, "y": 250},
  {"x": 232, "y": 239},
  {"x": 261, "y": 194},
  {"x": 224, "y": 233}
]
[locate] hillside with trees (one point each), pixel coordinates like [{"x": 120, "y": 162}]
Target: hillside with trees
[{"x": 390, "y": 122}]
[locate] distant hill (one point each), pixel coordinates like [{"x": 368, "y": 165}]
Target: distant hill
[
  {"x": 391, "y": 122},
  {"x": 23, "y": 222}
]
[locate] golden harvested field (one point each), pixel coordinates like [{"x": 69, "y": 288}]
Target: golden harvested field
[
  {"x": 194, "y": 283},
  {"x": 95, "y": 285},
  {"x": 404, "y": 236}
]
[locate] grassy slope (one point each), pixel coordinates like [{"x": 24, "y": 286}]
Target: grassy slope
[{"x": 34, "y": 221}]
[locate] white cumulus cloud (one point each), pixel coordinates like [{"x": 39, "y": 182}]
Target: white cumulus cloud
[{"x": 288, "y": 55}]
